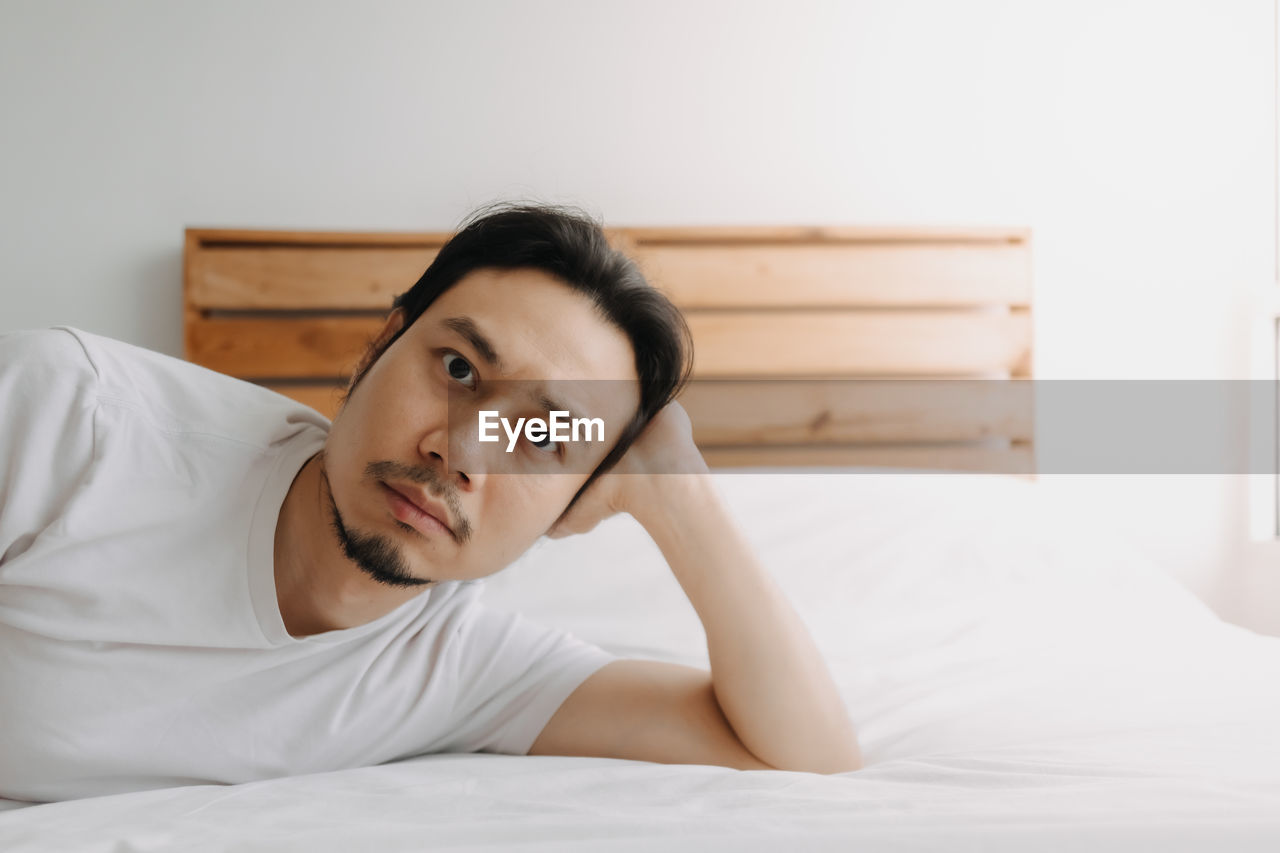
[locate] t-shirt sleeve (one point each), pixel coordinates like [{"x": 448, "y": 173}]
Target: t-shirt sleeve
[
  {"x": 514, "y": 674},
  {"x": 47, "y": 399}
]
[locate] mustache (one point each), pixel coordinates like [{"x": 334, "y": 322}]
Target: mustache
[{"x": 435, "y": 483}]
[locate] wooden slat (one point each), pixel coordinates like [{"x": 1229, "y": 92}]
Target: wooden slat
[
  {"x": 258, "y": 348},
  {"x": 726, "y": 414},
  {"x": 858, "y": 411},
  {"x": 1023, "y": 367},
  {"x": 191, "y": 253},
  {"x": 1011, "y": 460},
  {"x": 726, "y": 344},
  {"x": 917, "y": 234},
  {"x": 920, "y": 234},
  {"x": 231, "y": 272},
  {"x": 1018, "y": 458},
  {"x": 839, "y": 343},
  {"x": 812, "y": 274},
  {"x": 307, "y": 278}
]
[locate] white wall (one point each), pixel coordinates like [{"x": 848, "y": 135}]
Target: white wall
[{"x": 1135, "y": 138}]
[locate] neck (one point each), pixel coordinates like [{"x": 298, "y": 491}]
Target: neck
[{"x": 318, "y": 588}]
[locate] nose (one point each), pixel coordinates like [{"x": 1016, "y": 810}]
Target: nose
[{"x": 453, "y": 447}]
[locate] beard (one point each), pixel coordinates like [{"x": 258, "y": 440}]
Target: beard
[{"x": 375, "y": 555}]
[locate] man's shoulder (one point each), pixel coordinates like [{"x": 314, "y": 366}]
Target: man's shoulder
[
  {"x": 120, "y": 365},
  {"x": 173, "y": 394},
  {"x": 58, "y": 347},
  {"x": 44, "y": 373}
]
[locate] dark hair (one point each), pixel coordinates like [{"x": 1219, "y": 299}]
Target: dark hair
[{"x": 570, "y": 245}]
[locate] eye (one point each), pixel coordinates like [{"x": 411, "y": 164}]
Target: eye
[
  {"x": 546, "y": 445},
  {"x": 459, "y": 369}
]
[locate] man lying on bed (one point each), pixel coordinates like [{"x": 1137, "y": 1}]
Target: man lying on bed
[{"x": 202, "y": 581}]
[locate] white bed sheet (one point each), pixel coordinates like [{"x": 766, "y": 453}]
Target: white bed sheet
[
  {"x": 1020, "y": 679},
  {"x": 1167, "y": 790}
]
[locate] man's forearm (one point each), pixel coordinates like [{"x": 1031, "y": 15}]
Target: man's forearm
[{"x": 770, "y": 680}]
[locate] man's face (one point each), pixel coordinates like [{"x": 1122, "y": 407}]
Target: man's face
[{"x": 504, "y": 340}]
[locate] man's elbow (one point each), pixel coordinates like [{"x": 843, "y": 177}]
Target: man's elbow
[
  {"x": 843, "y": 764},
  {"x": 836, "y": 761}
]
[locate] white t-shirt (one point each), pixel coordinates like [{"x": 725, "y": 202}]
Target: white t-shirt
[{"x": 141, "y": 643}]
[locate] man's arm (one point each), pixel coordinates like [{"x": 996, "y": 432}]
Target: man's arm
[
  {"x": 769, "y": 677},
  {"x": 769, "y": 684},
  {"x": 646, "y": 710}
]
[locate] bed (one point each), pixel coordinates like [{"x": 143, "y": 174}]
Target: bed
[{"x": 1019, "y": 675}]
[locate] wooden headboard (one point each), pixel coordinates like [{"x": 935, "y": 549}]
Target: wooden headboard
[{"x": 790, "y": 327}]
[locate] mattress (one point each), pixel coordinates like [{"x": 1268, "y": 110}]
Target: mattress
[{"x": 1020, "y": 677}]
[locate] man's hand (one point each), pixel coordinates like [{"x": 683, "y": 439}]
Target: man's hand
[{"x": 663, "y": 455}]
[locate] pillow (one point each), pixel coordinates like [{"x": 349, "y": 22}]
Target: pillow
[{"x": 955, "y": 611}]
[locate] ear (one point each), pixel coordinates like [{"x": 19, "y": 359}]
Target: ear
[
  {"x": 393, "y": 324},
  {"x": 395, "y": 320}
]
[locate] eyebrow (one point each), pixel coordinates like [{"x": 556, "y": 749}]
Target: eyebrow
[
  {"x": 467, "y": 328},
  {"x": 552, "y": 406}
]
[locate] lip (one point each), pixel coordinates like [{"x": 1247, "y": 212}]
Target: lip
[{"x": 413, "y": 508}]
